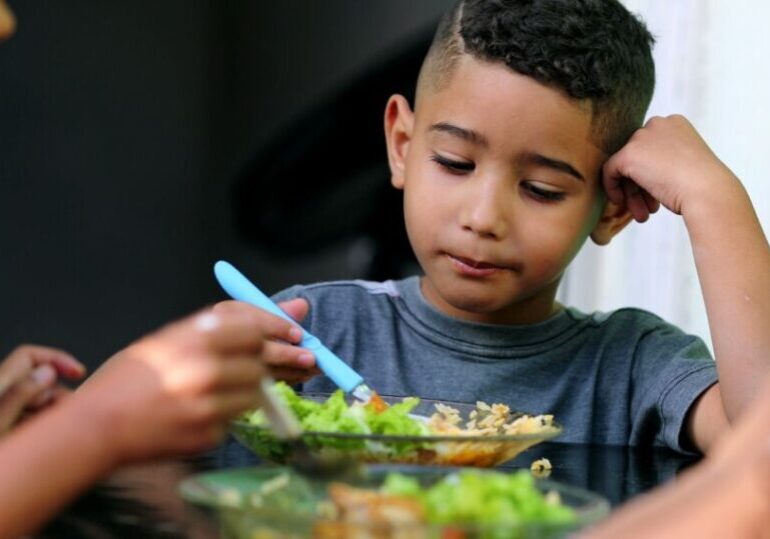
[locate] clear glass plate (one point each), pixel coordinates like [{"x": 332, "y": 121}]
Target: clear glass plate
[
  {"x": 298, "y": 508},
  {"x": 434, "y": 450}
]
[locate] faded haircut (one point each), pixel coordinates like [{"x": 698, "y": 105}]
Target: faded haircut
[{"x": 593, "y": 50}]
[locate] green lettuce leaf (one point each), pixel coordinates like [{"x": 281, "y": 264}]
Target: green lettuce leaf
[
  {"x": 476, "y": 497},
  {"x": 335, "y": 415}
]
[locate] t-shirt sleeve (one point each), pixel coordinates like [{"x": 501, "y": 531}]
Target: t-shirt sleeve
[{"x": 671, "y": 370}]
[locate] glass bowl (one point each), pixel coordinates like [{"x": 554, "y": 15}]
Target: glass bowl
[
  {"x": 274, "y": 502},
  {"x": 433, "y": 450}
]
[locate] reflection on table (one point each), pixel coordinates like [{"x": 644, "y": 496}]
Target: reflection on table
[{"x": 143, "y": 501}]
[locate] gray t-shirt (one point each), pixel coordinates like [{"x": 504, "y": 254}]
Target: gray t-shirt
[{"x": 623, "y": 378}]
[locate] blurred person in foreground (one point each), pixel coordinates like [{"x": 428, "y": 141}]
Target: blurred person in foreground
[{"x": 170, "y": 393}]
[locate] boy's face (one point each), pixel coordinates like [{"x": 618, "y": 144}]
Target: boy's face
[{"x": 501, "y": 188}]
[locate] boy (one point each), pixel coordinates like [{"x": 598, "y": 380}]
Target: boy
[{"x": 526, "y": 113}]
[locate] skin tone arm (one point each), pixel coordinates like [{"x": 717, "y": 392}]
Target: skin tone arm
[
  {"x": 28, "y": 379},
  {"x": 667, "y": 161},
  {"x": 170, "y": 393}
]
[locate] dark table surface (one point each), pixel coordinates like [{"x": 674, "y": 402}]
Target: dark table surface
[{"x": 143, "y": 501}]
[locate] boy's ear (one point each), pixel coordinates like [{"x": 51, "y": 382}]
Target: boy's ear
[
  {"x": 399, "y": 122},
  {"x": 614, "y": 218}
]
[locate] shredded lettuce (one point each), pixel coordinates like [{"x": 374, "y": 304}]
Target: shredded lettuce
[
  {"x": 336, "y": 415},
  {"x": 301, "y": 407},
  {"x": 470, "y": 496}
]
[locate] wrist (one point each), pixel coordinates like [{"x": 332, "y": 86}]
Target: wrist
[
  {"x": 723, "y": 194},
  {"x": 91, "y": 427}
]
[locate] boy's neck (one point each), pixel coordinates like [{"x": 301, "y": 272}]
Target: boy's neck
[{"x": 533, "y": 310}]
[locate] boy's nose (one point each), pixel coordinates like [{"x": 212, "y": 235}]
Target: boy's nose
[{"x": 485, "y": 211}]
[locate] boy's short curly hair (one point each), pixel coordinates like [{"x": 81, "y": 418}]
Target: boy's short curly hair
[{"x": 593, "y": 50}]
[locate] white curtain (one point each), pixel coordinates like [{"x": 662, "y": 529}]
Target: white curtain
[{"x": 711, "y": 66}]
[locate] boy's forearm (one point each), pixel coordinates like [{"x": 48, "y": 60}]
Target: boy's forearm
[
  {"x": 46, "y": 462},
  {"x": 733, "y": 262}
]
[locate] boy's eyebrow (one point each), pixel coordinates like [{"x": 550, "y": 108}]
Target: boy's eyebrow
[
  {"x": 477, "y": 138},
  {"x": 556, "y": 164},
  {"x": 468, "y": 135}
]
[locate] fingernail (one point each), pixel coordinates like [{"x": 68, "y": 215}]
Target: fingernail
[
  {"x": 306, "y": 359},
  {"x": 295, "y": 334},
  {"x": 45, "y": 374}
]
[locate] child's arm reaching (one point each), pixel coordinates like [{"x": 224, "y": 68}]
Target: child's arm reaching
[
  {"x": 170, "y": 393},
  {"x": 667, "y": 161}
]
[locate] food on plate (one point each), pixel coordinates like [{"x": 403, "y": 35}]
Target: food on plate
[
  {"x": 541, "y": 467},
  {"x": 401, "y": 504},
  {"x": 387, "y": 502},
  {"x": 465, "y": 497},
  {"x": 387, "y": 429}
]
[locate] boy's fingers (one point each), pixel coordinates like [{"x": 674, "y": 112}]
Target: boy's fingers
[
  {"x": 613, "y": 180},
  {"x": 277, "y": 354},
  {"x": 293, "y": 376},
  {"x": 297, "y": 308},
  {"x": 653, "y": 205},
  {"x": 635, "y": 201}
]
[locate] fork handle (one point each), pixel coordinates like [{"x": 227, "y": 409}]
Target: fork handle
[{"x": 239, "y": 287}]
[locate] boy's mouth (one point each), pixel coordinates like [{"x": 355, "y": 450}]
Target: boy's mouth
[{"x": 473, "y": 268}]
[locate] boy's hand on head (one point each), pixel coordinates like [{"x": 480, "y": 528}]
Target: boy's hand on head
[
  {"x": 29, "y": 380},
  {"x": 665, "y": 162},
  {"x": 286, "y": 361},
  {"x": 174, "y": 391}
]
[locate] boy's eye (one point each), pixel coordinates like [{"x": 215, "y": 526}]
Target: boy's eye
[
  {"x": 455, "y": 167},
  {"x": 539, "y": 193}
]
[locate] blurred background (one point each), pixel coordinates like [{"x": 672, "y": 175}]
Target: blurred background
[{"x": 142, "y": 141}]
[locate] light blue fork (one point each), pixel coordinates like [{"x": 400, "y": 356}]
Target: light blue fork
[{"x": 240, "y": 288}]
